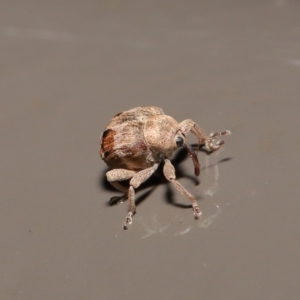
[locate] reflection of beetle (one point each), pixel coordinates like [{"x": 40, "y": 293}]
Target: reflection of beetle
[{"x": 137, "y": 140}]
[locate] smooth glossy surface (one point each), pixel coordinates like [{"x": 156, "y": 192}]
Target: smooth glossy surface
[{"x": 68, "y": 67}]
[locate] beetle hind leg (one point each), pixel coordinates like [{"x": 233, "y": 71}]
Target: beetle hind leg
[{"x": 113, "y": 177}]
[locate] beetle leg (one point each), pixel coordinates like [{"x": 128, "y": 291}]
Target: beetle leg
[
  {"x": 188, "y": 126},
  {"x": 119, "y": 175},
  {"x": 135, "y": 182},
  {"x": 169, "y": 172},
  {"x": 121, "y": 188},
  {"x": 116, "y": 175},
  {"x": 132, "y": 207},
  {"x": 137, "y": 178}
]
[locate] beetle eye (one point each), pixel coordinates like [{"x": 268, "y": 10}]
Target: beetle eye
[{"x": 179, "y": 141}]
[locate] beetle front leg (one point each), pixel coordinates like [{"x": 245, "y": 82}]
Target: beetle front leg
[
  {"x": 188, "y": 126},
  {"x": 169, "y": 172}
]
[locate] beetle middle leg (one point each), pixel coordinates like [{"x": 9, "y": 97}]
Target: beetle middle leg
[
  {"x": 116, "y": 175},
  {"x": 137, "y": 178},
  {"x": 119, "y": 187},
  {"x": 169, "y": 172},
  {"x": 135, "y": 182}
]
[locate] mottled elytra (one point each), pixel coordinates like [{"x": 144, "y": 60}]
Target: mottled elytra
[{"x": 137, "y": 140}]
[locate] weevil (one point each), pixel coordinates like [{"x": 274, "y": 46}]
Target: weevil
[{"x": 136, "y": 141}]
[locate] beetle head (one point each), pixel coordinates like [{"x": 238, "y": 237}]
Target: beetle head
[{"x": 162, "y": 135}]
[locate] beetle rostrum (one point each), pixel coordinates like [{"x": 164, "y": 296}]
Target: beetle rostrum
[{"x": 135, "y": 142}]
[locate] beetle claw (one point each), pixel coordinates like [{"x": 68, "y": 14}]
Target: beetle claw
[
  {"x": 197, "y": 212},
  {"x": 128, "y": 220}
]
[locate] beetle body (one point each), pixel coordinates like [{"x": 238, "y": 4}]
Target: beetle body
[
  {"x": 123, "y": 144},
  {"x": 136, "y": 140}
]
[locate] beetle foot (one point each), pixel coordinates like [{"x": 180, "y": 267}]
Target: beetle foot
[
  {"x": 197, "y": 211},
  {"x": 209, "y": 143},
  {"x": 128, "y": 220}
]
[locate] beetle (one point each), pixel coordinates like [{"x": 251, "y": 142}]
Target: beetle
[{"x": 135, "y": 142}]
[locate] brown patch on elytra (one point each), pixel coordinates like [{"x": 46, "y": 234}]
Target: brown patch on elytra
[{"x": 107, "y": 144}]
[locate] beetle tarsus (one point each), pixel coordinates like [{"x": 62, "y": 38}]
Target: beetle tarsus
[
  {"x": 197, "y": 211},
  {"x": 128, "y": 220}
]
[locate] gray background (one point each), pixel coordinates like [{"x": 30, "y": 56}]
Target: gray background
[{"x": 67, "y": 67}]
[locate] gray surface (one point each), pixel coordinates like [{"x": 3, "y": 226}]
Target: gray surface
[{"x": 67, "y": 68}]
